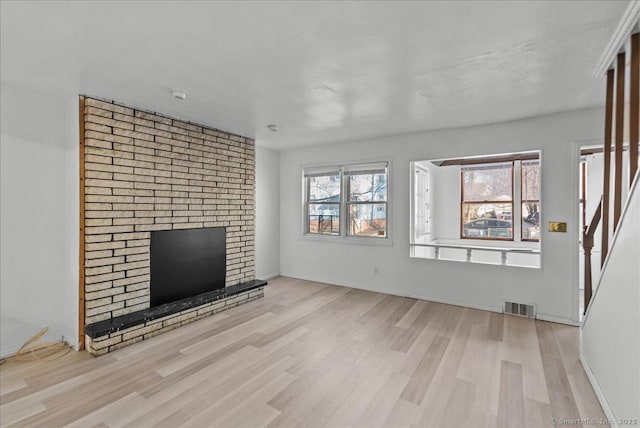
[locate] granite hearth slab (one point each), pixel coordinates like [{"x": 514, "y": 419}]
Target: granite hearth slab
[{"x": 103, "y": 328}]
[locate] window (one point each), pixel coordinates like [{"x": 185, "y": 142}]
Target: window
[
  {"x": 487, "y": 201},
  {"x": 367, "y": 204},
  {"x": 364, "y": 205},
  {"x": 480, "y": 209},
  {"x": 323, "y": 201},
  {"x": 530, "y": 175}
]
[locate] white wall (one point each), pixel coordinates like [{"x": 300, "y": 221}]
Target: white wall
[
  {"x": 39, "y": 217},
  {"x": 267, "y": 213},
  {"x": 553, "y": 287},
  {"x": 611, "y": 331},
  {"x": 446, "y": 206}
]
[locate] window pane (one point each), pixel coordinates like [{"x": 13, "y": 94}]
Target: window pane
[
  {"x": 490, "y": 182},
  {"x": 324, "y": 188},
  {"x": 368, "y": 187},
  {"x": 324, "y": 219},
  {"x": 531, "y": 220},
  {"x": 368, "y": 220},
  {"x": 531, "y": 181},
  {"x": 487, "y": 221}
]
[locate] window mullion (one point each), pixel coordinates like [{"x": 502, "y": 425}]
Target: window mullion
[
  {"x": 344, "y": 194},
  {"x": 307, "y": 206},
  {"x": 517, "y": 202}
]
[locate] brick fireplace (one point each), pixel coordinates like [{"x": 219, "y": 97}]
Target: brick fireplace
[{"x": 145, "y": 172}]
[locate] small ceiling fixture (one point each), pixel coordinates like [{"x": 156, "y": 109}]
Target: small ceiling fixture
[
  {"x": 273, "y": 128},
  {"x": 179, "y": 95}
]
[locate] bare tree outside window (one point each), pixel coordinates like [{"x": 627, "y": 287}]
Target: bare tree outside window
[
  {"x": 323, "y": 204},
  {"x": 367, "y": 205},
  {"x": 364, "y": 206},
  {"x": 530, "y": 200}
]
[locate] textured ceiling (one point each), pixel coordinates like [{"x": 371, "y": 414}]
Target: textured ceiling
[{"x": 322, "y": 71}]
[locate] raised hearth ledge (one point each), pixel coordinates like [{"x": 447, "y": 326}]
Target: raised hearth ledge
[{"x": 106, "y": 336}]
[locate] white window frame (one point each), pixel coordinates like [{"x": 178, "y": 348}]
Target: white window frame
[
  {"x": 328, "y": 171},
  {"x": 343, "y": 235},
  {"x": 417, "y": 170}
]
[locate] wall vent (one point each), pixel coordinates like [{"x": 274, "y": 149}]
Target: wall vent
[{"x": 520, "y": 309}]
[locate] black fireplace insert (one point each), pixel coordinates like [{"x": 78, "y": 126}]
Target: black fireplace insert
[{"x": 187, "y": 262}]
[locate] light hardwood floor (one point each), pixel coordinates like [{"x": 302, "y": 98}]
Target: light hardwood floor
[{"x": 312, "y": 355}]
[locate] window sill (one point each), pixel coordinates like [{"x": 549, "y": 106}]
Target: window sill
[
  {"x": 348, "y": 240},
  {"x": 512, "y": 254},
  {"x": 488, "y": 243}
]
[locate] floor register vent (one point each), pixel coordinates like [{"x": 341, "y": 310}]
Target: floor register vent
[{"x": 520, "y": 309}]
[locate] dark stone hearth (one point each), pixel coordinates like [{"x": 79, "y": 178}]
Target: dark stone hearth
[{"x": 105, "y": 327}]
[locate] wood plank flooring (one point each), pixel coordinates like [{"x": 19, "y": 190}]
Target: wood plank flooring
[{"x": 316, "y": 355}]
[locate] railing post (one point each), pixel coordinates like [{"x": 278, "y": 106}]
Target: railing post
[
  {"x": 587, "y": 245},
  {"x": 608, "y": 131},
  {"x": 634, "y": 106},
  {"x": 619, "y": 139}
]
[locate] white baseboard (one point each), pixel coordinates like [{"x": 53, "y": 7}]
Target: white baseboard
[
  {"x": 381, "y": 290},
  {"x": 498, "y": 309},
  {"x": 558, "y": 320},
  {"x": 401, "y": 294},
  {"x": 268, "y": 276},
  {"x": 601, "y": 398},
  {"x": 74, "y": 346},
  {"x": 342, "y": 284},
  {"x": 454, "y": 302},
  {"x": 9, "y": 352}
]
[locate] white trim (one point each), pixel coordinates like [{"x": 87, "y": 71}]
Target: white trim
[
  {"x": 576, "y": 316},
  {"x": 11, "y": 351},
  {"x": 630, "y": 196},
  {"x": 419, "y": 296},
  {"x": 398, "y": 293},
  {"x": 340, "y": 283},
  {"x": 372, "y": 241},
  {"x": 541, "y": 317},
  {"x": 619, "y": 38},
  {"x": 76, "y": 346},
  {"x": 558, "y": 320},
  {"x": 454, "y": 302},
  {"x": 365, "y": 168},
  {"x": 268, "y": 276},
  {"x": 599, "y": 394}
]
